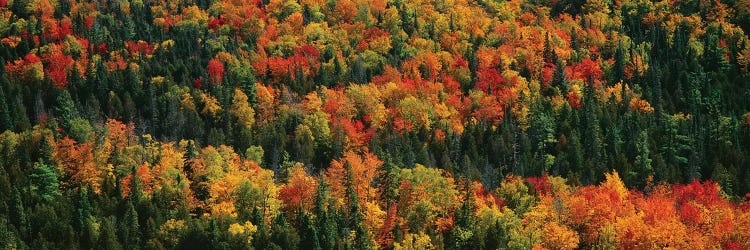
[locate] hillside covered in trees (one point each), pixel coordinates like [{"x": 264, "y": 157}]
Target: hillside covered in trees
[{"x": 374, "y": 124}]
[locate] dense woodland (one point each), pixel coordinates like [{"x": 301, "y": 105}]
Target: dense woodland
[{"x": 374, "y": 124}]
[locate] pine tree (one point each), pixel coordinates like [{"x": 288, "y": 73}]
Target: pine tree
[
  {"x": 215, "y": 235},
  {"x": 136, "y": 187},
  {"x": 283, "y": 235},
  {"x": 325, "y": 222},
  {"x": 656, "y": 89},
  {"x": 130, "y": 231},
  {"x": 496, "y": 237},
  {"x": 44, "y": 182},
  {"x": 261, "y": 237},
  {"x": 65, "y": 109},
  {"x": 354, "y": 218},
  {"x": 8, "y": 237},
  {"x": 388, "y": 180},
  {"x": 20, "y": 115},
  {"x": 18, "y": 214},
  {"x": 558, "y": 78},
  {"x": 87, "y": 232},
  {"x": 548, "y": 54},
  {"x": 642, "y": 159},
  {"x": 592, "y": 141},
  {"x": 308, "y": 232},
  {"x": 83, "y": 209},
  {"x": 107, "y": 237},
  {"x": 463, "y": 231},
  {"x": 5, "y": 119},
  {"x": 618, "y": 69},
  {"x": 359, "y": 71},
  {"x": 713, "y": 57}
]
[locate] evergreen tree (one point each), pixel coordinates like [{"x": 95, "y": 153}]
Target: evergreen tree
[
  {"x": 592, "y": 142},
  {"x": 107, "y": 237},
  {"x": 130, "y": 232},
  {"x": 354, "y": 218},
  {"x": 44, "y": 183},
  {"x": 260, "y": 238},
  {"x": 618, "y": 69},
  {"x": 8, "y": 237},
  {"x": 308, "y": 233},
  {"x": 548, "y": 54},
  {"x": 325, "y": 214},
  {"x": 462, "y": 233},
  {"x": 84, "y": 222},
  {"x": 65, "y": 109},
  {"x": 136, "y": 187},
  {"x": 18, "y": 213},
  {"x": 5, "y": 119},
  {"x": 559, "y": 78},
  {"x": 642, "y": 159},
  {"x": 20, "y": 116},
  {"x": 388, "y": 180},
  {"x": 283, "y": 235}
]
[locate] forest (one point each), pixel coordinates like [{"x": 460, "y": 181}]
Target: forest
[{"x": 374, "y": 124}]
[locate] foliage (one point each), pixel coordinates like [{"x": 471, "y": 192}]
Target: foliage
[{"x": 236, "y": 124}]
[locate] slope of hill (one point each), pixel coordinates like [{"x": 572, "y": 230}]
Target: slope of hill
[{"x": 311, "y": 124}]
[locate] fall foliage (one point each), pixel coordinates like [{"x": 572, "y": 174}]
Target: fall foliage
[{"x": 350, "y": 124}]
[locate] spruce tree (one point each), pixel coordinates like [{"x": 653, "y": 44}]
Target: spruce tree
[
  {"x": 18, "y": 213},
  {"x": 44, "y": 183},
  {"x": 65, "y": 109},
  {"x": 107, "y": 237},
  {"x": 325, "y": 222},
  {"x": 283, "y": 235},
  {"x": 308, "y": 233},
  {"x": 261, "y": 237},
  {"x": 5, "y": 120},
  {"x": 130, "y": 232},
  {"x": 354, "y": 218}
]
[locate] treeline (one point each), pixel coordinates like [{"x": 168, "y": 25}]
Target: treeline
[{"x": 656, "y": 91}]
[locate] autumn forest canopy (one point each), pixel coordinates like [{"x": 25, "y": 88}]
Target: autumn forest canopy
[{"x": 374, "y": 124}]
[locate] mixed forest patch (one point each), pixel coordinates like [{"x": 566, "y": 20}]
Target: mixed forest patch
[{"x": 362, "y": 124}]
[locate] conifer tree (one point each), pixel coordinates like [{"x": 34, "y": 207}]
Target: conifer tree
[
  {"x": 325, "y": 217},
  {"x": 308, "y": 233},
  {"x": 130, "y": 232},
  {"x": 44, "y": 183}
]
